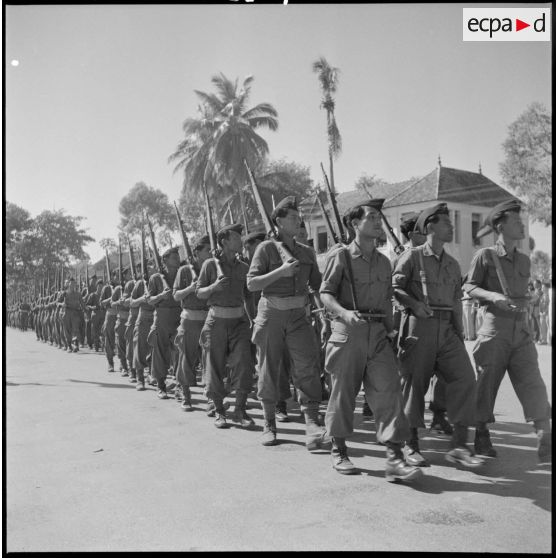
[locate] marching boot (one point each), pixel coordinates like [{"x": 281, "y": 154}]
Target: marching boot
[
  {"x": 440, "y": 423},
  {"x": 411, "y": 451},
  {"x": 186, "y": 399},
  {"x": 316, "y": 437},
  {"x": 340, "y": 459},
  {"x": 396, "y": 468},
  {"x": 461, "y": 453},
  {"x": 220, "y": 414},
  {"x": 269, "y": 434},
  {"x": 281, "y": 412},
  {"x": 544, "y": 441},
  {"x": 240, "y": 417},
  {"x": 483, "y": 444}
]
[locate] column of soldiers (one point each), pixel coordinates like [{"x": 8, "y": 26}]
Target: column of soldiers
[{"x": 258, "y": 321}]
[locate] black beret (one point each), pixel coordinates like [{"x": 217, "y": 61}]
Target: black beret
[
  {"x": 427, "y": 214},
  {"x": 169, "y": 251},
  {"x": 253, "y": 236},
  {"x": 201, "y": 242},
  {"x": 286, "y": 203},
  {"x": 497, "y": 212},
  {"x": 236, "y": 227}
]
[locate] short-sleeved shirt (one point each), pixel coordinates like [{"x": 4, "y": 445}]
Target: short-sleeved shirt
[
  {"x": 107, "y": 293},
  {"x": 443, "y": 276},
  {"x": 184, "y": 279},
  {"x": 235, "y": 293},
  {"x": 144, "y": 309},
  {"x": 516, "y": 268},
  {"x": 372, "y": 279},
  {"x": 266, "y": 258},
  {"x": 72, "y": 301},
  {"x": 156, "y": 287}
]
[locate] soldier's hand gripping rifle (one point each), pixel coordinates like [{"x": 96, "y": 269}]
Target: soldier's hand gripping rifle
[
  {"x": 186, "y": 244},
  {"x": 398, "y": 248},
  {"x": 215, "y": 252},
  {"x": 131, "y": 258},
  {"x": 270, "y": 229},
  {"x": 156, "y": 255}
]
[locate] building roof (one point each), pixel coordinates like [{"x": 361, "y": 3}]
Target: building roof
[{"x": 452, "y": 185}]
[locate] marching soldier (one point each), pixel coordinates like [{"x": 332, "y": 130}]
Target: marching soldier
[
  {"x": 356, "y": 289},
  {"x": 225, "y": 336},
  {"x": 498, "y": 278},
  {"x": 282, "y": 323},
  {"x": 109, "y": 323},
  {"x": 73, "y": 306},
  {"x": 122, "y": 313},
  {"x": 166, "y": 318},
  {"x": 427, "y": 281},
  {"x": 93, "y": 303},
  {"x": 133, "y": 312},
  {"x": 192, "y": 319}
]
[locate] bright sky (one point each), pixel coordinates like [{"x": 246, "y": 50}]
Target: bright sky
[{"x": 96, "y": 95}]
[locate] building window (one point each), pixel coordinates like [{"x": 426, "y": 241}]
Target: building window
[
  {"x": 456, "y": 227},
  {"x": 476, "y": 220}
]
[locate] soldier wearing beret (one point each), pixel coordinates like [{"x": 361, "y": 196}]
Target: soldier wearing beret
[
  {"x": 93, "y": 303},
  {"x": 72, "y": 305},
  {"x": 498, "y": 278},
  {"x": 166, "y": 318},
  {"x": 282, "y": 324},
  {"x": 192, "y": 318},
  {"x": 225, "y": 336},
  {"x": 427, "y": 282},
  {"x": 110, "y": 320},
  {"x": 437, "y": 405},
  {"x": 133, "y": 312},
  {"x": 356, "y": 289},
  {"x": 122, "y": 314}
]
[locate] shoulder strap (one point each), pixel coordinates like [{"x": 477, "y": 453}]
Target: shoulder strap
[
  {"x": 351, "y": 277},
  {"x": 422, "y": 273},
  {"x": 500, "y": 272}
]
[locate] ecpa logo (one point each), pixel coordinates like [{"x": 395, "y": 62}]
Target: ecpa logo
[{"x": 506, "y": 24}]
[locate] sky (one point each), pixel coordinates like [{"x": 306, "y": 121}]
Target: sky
[{"x": 95, "y": 96}]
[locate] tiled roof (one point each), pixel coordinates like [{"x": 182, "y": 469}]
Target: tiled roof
[{"x": 452, "y": 185}]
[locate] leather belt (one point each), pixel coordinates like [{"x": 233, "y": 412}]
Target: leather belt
[{"x": 227, "y": 311}]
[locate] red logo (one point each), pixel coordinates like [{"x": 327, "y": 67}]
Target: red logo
[{"x": 519, "y": 25}]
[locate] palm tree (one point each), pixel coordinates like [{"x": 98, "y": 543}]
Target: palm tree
[
  {"x": 224, "y": 134},
  {"x": 329, "y": 77}
]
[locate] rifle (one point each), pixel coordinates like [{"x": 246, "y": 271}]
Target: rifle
[
  {"x": 142, "y": 256},
  {"x": 87, "y": 277},
  {"x": 186, "y": 244},
  {"x": 398, "y": 248},
  {"x": 119, "y": 261},
  {"x": 158, "y": 262},
  {"x": 333, "y": 203},
  {"x": 131, "y": 258},
  {"x": 329, "y": 224},
  {"x": 215, "y": 252},
  {"x": 271, "y": 230},
  {"x": 107, "y": 264}
]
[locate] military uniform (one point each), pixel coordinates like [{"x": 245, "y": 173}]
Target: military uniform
[
  {"x": 129, "y": 327},
  {"x": 144, "y": 321},
  {"x": 504, "y": 341},
  {"x": 122, "y": 313},
  {"x": 438, "y": 341},
  {"x": 108, "y": 325}
]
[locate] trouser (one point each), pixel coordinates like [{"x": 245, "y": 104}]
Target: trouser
[
  {"x": 517, "y": 354},
  {"x": 275, "y": 330},
  {"x": 362, "y": 355},
  {"x": 96, "y": 329},
  {"x": 129, "y": 336},
  {"x": 226, "y": 342},
  {"x": 109, "y": 334},
  {"x": 438, "y": 394},
  {"x": 469, "y": 320},
  {"x": 187, "y": 342},
  {"x": 71, "y": 326},
  {"x": 88, "y": 334},
  {"x": 142, "y": 350},
  {"x": 60, "y": 329},
  {"x": 438, "y": 349},
  {"x": 24, "y": 320},
  {"x": 284, "y": 380},
  {"x": 160, "y": 338},
  {"x": 544, "y": 328},
  {"x": 120, "y": 340}
]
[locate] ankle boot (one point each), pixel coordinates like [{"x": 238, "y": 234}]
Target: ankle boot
[
  {"x": 269, "y": 434},
  {"x": 411, "y": 451},
  {"x": 396, "y": 468},
  {"x": 240, "y": 416},
  {"x": 483, "y": 444},
  {"x": 340, "y": 459},
  {"x": 460, "y": 453},
  {"x": 544, "y": 441},
  {"x": 186, "y": 399},
  {"x": 316, "y": 437}
]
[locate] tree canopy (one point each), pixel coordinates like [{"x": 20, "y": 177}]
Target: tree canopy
[{"x": 527, "y": 168}]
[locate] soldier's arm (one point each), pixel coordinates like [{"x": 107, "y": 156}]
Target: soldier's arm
[
  {"x": 400, "y": 279},
  {"x": 183, "y": 277},
  {"x": 208, "y": 282},
  {"x": 259, "y": 276}
]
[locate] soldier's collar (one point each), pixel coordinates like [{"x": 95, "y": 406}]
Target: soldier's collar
[
  {"x": 501, "y": 250},
  {"x": 427, "y": 251}
]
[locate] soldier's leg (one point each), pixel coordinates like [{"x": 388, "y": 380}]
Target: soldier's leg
[
  {"x": 76, "y": 320},
  {"x": 158, "y": 339},
  {"x": 129, "y": 337},
  {"x": 109, "y": 340},
  {"x": 120, "y": 344}
]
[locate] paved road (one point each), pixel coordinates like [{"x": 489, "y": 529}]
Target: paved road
[{"x": 93, "y": 465}]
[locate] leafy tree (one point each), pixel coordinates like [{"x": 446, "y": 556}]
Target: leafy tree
[
  {"x": 329, "y": 78},
  {"x": 369, "y": 183},
  {"x": 154, "y": 202},
  {"x": 17, "y": 220},
  {"x": 541, "y": 267},
  {"x": 224, "y": 134},
  {"x": 527, "y": 169}
]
